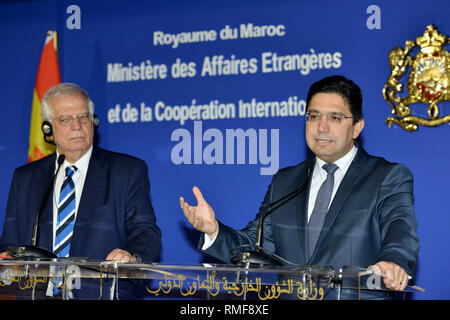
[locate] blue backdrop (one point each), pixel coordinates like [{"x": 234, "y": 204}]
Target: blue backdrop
[{"x": 181, "y": 83}]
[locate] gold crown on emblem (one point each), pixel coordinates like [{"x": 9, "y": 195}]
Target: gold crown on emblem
[
  {"x": 428, "y": 80},
  {"x": 431, "y": 40}
]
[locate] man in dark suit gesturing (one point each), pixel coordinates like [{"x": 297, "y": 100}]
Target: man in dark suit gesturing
[
  {"x": 109, "y": 208},
  {"x": 357, "y": 209}
]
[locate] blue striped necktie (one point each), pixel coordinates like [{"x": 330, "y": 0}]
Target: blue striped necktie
[
  {"x": 321, "y": 207},
  {"x": 66, "y": 215}
]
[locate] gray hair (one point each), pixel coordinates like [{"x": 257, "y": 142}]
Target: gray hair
[{"x": 61, "y": 90}]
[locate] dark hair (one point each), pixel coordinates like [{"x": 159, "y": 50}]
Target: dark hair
[{"x": 342, "y": 86}]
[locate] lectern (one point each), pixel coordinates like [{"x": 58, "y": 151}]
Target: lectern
[{"x": 36, "y": 279}]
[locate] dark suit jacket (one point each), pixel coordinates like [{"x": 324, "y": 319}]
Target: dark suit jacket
[
  {"x": 371, "y": 219},
  {"x": 115, "y": 209}
]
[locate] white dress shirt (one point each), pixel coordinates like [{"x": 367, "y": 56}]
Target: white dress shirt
[
  {"x": 78, "y": 178},
  {"x": 320, "y": 175}
]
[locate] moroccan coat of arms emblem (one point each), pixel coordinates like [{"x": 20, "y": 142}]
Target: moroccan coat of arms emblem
[{"x": 428, "y": 81}]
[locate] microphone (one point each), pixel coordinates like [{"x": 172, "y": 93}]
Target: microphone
[
  {"x": 261, "y": 256},
  {"x": 33, "y": 251}
]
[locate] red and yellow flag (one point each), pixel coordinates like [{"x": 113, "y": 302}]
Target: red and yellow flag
[{"x": 48, "y": 75}]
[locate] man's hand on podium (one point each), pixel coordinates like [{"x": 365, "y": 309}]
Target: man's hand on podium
[
  {"x": 395, "y": 277},
  {"x": 120, "y": 255},
  {"x": 5, "y": 255}
]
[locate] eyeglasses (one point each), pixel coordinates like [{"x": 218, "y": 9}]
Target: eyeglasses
[
  {"x": 66, "y": 121},
  {"x": 332, "y": 117}
]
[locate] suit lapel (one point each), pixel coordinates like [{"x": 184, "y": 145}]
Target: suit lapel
[
  {"x": 302, "y": 221},
  {"x": 45, "y": 239},
  {"x": 354, "y": 175},
  {"x": 90, "y": 198},
  {"x": 301, "y": 207}
]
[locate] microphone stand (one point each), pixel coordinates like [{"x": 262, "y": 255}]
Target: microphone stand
[
  {"x": 258, "y": 255},
  {"x": 32, "y": 251}
]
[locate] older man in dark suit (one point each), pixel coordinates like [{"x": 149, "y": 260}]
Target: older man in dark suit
[{"x": 100, "y": 206}]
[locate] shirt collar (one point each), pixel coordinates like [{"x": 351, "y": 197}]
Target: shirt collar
[
  {"x": 81, "y": 164},
  {"x": 342, "y": 163}
]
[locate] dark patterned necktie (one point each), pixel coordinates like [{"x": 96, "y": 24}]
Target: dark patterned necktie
[{"x": 321, "y": 207}]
